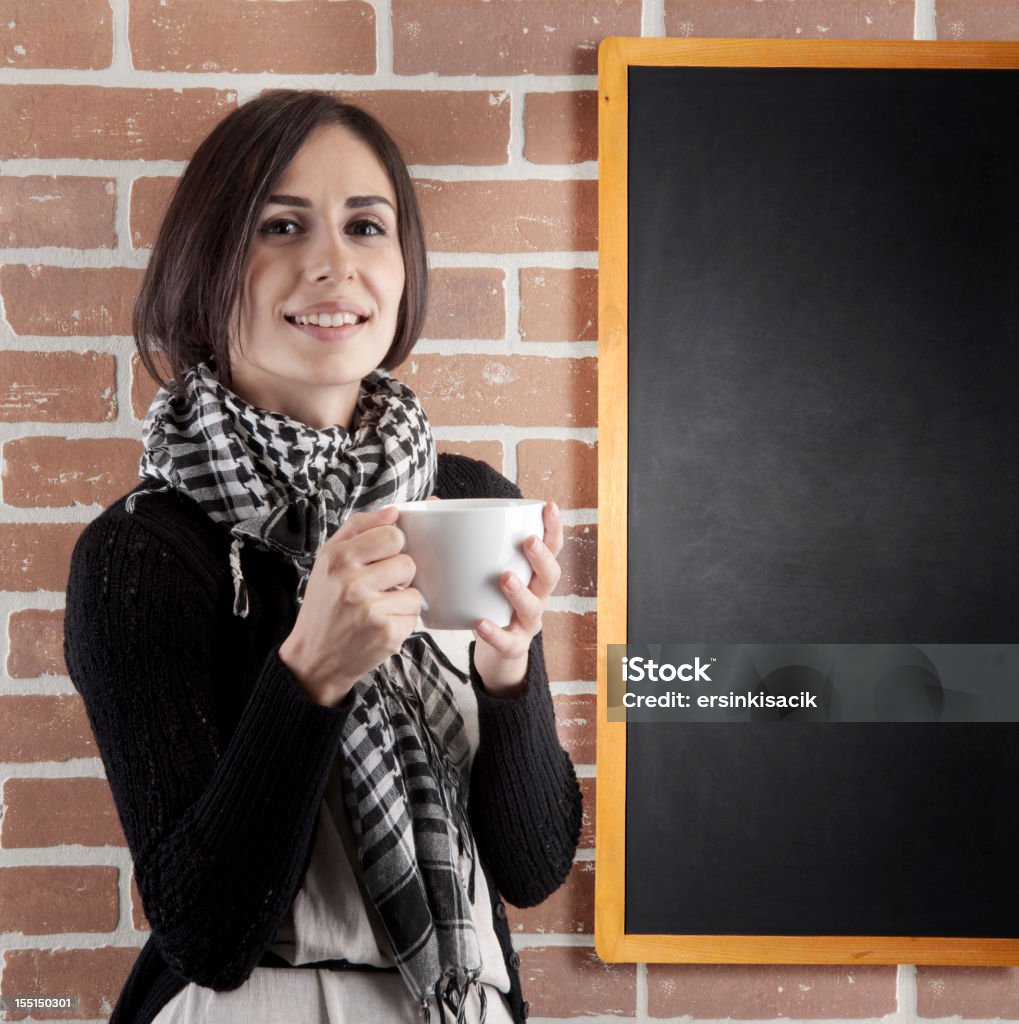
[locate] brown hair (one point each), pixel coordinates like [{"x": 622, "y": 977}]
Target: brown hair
[{"x": 190, "y": 291}]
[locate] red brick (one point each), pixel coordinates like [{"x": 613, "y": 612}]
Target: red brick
[
  {"x": 149, "y": 200},
  {"x": 57, "y": 387},
  {"x": 56, "y": 34},
  {"x": 570, "y": 909},
  {"x": 805, "y": 19},
  {"x": 95, "y": 976},
  {"x": 587, "y": 823},
  {"x": 69, "y": 301},
  {"x": 37, "y": 644},
  {"x": 765, "y": 991},
  {"x": 75, "y": 213},
  {"x": 520, "y": 390},
  {"x": 57, "y": 812},
  {"x": 138, "y": 918},
  {"x": 485, "y": 451},
  {"x": 509, "y": 216},
  {"x": 565, "y": 472},
  {"x": 307, "y": 37},
  {"x": 570, "y": 645},
  {"x": 988, "y": 19},
  {"x": 466, "y": 305},
  {"x": 967, "y": 992},
  {"x": 567, "y": 981},
  {"x": 506, "y": 37},
  {"x": 559, "y": 305},
  {"x": 59, "y": 471},
  {"x": 579, "y": 561},
  {"x": 95, "y": 122},
  {"x": 38, "y": 728},
  {"x": 561, "y": 127},
  {"x": 45, "y": 900},
  {"x": 441, "y": 126},
  {"x": 576, "y": 714},
  {"x": 36, "y": 556}
]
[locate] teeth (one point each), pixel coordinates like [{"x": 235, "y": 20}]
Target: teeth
[{"x": 328, "y": 320}]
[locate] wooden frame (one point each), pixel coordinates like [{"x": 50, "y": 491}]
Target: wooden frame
[{"x": 616, "y": 56}]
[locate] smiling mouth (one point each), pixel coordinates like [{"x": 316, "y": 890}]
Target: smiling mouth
[{"x": 326, "y": 319}]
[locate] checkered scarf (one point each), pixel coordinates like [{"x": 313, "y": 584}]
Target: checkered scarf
[
  {"x": 280, "y": 483},
  {"x": 405, "y": 771},
  {"x": 288, "y": 487}
]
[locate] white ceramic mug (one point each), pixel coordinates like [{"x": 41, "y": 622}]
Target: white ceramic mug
[{"x": 461, "y": 546}]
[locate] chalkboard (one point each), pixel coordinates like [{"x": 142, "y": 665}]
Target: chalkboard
[{"x": 808, "y": 434}]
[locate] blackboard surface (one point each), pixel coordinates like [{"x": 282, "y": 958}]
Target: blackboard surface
[
  {"x": 824, "y": 340},
  {"x": 822, "y": 431},
  {"x": 823, "y": 829}
]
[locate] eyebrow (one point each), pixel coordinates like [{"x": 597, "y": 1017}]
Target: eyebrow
[{"x": 353, "y": 203}]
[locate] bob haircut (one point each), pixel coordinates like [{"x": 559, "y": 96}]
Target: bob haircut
[{"x": 186, "y": 309}]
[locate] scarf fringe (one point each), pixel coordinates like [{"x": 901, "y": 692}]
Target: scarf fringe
[
  {"x": 454, "y": 996},
  {"x": 240, "y": 607},
  {"x": 132, "y": 498},
  {"x": 440, "y": 655},
  {"x": 240, "y": 587}
]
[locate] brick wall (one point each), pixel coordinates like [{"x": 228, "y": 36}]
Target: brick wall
[{"x": 494, "y": 103}]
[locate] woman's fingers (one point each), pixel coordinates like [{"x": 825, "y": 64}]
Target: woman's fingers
[
  {"x": 402, "y": 604},
  {"x": 361, "y": 522},
  {"x": 529, "y": 601},
  {"x": 527, "y": 605},
  {"x": 508, "y": 643},
  {"x": 372, "y": 545},
  {"x": 528, "y": 608},
  {"x": 546, "y": 568},
  {"x": 393, "y": 573},
  {"x": 553, "y": 523}
]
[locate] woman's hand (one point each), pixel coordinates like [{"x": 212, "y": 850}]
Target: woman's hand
[
  {"x": 358, "y": 607},
  {"x": 500, "y": 655}
]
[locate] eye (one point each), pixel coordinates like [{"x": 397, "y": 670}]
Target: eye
[
  {"x": 280, "y": 226},
  {"x": 367, "y": 226}
]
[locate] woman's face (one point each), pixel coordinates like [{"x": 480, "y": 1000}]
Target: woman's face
[{"x": 323, "y": 283}]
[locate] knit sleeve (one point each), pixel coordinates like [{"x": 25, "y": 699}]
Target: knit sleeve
[
  {"x": 525, "y": 803},
  {"x": 220, "y": 827}
]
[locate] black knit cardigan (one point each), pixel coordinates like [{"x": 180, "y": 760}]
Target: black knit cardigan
[{"x": 218, "y": 760}]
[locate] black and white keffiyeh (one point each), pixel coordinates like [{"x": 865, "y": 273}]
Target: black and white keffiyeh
[
  {"x": 278, "y": 482},
  {"x": 405, "y": 768},
  {"x": 288, "y": 487}
]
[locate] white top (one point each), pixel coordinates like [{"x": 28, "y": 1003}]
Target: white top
[
  {"x": 281, "y": 995},
  {"x": 331, "y": 919}
]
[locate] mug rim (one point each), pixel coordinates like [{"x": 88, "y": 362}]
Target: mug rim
[{"x": 451, "y": 506}]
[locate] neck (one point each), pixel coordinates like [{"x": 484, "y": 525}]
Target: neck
[{"x": 318, "y": 406}]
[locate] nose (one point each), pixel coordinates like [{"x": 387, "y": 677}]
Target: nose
[{"x": 331, "y": 258}]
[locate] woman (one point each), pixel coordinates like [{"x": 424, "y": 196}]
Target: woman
[{"x": 322, "y": 808}]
